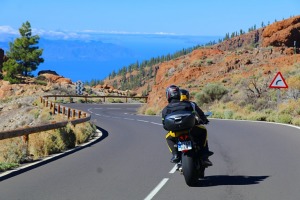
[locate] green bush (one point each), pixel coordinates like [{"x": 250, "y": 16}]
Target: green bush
[
  {"x": 284, "y": 118},
  {"x": 83, "y": 132},
  {"x": 237, "y": 117},
  {"x": 210, "y": 93},
  {"x": 256, "y": 116},
  {"x": 81, "y": 100},
  {"x": 228, "y": 114},
  {"x": 219, "y": 115},
  {"x": 40, "y": 82},
  {"x": 296, "y": 121},
  {"x": 13, "y": 151},
  {"x": 150, "y": 111},
  {"x": 55, "y": 143},
  {"x": 7, "y": 166}
]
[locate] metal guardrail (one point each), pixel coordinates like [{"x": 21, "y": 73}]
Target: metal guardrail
[
  {"x": 75, "y": 116},
  {"x": 99, "y": 97}
]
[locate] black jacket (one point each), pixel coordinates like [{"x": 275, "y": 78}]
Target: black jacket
[{"x": 177, "y": 105}]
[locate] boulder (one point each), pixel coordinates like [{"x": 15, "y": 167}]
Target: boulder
[{"x": 47, "y": 72}]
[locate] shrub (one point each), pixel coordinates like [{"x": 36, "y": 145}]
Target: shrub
[
  {"x": 12, "y": 150},
  {"x": 209, "y": 62},
  {"x": 81, "y": 100},
  {"x": 83, "y": 132},
  {"x": 296, "y": 121},
  {"x": 284, "y": 118},
  {"x": 6, "y": 166},
  {"x": 150, "y": 111},
  {"x": 228, "y": 114},
  {"x": 40, "y": 82},
  {"x": 237, "y": 117},
  {"x": 210, "y": 93},
  {"x": 54, "y": 143},
  {"x": 217, "y": 114},
  {"x": 256, "y": 116}
]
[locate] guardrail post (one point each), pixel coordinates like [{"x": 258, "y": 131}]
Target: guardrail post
[
  {"x": 53, "y": 109},
  {"x": 69, "y": 113},
  {"x": 85, "y": 98},
  {"x": 26, "y": 141},
  {"x": 64, "y": 110},
  {"x": 58, "y": 109},
  {"x": 73, "y": 113},
  {"x": 79, "y": 114},
  {"x": 103, "y": 99}
]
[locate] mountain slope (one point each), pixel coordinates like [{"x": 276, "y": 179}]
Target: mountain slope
[{"x": 240, "y": 64}]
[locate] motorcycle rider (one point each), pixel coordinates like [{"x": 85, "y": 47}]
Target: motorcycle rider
[
  {"x": 173, "y": 97},
  {"x": 201, "y": 119}
]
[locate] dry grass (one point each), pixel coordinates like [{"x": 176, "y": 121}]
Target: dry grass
[
  {"x": 15, "y": 151},
  {"x": 288, "y": 112},
  {"x": 149, "y": 110}
]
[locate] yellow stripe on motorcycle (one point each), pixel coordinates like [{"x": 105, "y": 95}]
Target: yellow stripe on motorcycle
[{"x": 175, "y": 134}]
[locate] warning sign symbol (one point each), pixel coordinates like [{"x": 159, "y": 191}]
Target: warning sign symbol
[{"x": 278, "y": 82}]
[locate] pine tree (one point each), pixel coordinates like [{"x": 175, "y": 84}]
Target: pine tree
[
  {"x": 25, "y": 52},
  {"x": 12, "y": 69}
]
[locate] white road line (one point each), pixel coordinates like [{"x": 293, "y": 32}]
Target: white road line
[
  {"x": 156, "y": 123},
  {"x": 116, "y": 117},
  {"x": 173, "y": 170},
  {"x": 142, "y": 120},
  {"x": 156, "y": 189},
  {"x": 128, "y": 119}
]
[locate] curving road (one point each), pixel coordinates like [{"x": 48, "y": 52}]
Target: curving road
[{"x": 131, "y": 161}]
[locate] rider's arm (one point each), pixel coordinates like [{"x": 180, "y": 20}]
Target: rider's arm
[{"x": 201, "y": 114}]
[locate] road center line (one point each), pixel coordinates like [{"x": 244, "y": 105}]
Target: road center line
[
  {"x": 129, "y": 119},
  {"x": 156, "y": 189},
  {"x": 141, "y": 120},
  {"x": 173, "y": 170},
  {"x": 156, "y": 123}
]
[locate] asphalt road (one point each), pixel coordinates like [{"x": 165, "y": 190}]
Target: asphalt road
[{"x": 131, "y": 161}]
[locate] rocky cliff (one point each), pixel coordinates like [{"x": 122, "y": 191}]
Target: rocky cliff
[{"x": 263, "y": 51}]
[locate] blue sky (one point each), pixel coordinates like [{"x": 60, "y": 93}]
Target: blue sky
[{"x": 78, "y": 18}]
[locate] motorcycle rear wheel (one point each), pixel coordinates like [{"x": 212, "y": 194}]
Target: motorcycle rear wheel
[{"x": 189, "y": 169}]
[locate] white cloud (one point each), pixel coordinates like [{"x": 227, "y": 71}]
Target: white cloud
[
  {"x": 8, "y": 30},
  {"x": 59, "y": 34},
  {"x": 125, "y": 32}
]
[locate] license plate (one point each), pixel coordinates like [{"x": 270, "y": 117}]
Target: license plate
[{"x": 185, "y": 145}]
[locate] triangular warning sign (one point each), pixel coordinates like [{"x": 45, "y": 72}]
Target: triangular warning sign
[{"x": 278, "y": 82}]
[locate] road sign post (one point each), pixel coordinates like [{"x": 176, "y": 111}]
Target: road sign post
[{"x": 278, "y": 82}]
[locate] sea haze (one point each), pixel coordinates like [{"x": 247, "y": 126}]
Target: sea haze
[{"x": 95, "y": 59}]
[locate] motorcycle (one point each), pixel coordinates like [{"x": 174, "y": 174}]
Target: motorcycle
[{"x": 191, "y": 165}]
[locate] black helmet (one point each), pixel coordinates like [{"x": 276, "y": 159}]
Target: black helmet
[
  {"x": 184, "y": 95},
  {"x": 172, "y": 92}
]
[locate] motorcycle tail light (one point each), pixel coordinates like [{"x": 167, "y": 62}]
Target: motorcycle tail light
[{"x": 183, "y": 137}]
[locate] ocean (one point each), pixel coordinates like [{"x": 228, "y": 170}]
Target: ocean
[{"x": 97, "y": 58}]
